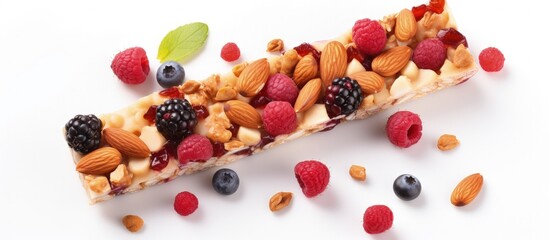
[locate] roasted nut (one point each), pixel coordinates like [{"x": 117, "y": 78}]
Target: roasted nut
[
  {"x": 305, "y": 70},
  {"x": 253, "y": 78},
  {"x": 467, "y": 190},
  {"x": 288, "y": 62},
  {"x": 308, "y": 95},
  {"x": 447, "y": 142},
  {"x": 275, "y": 45},
  {"x": 120, "y": 176},
  {"x": 225, "y": 94},
  {"x": 218, "y": 124},
  {"x": 462, "y": 57},
  {"x": 406, "y": 25},
  {"x": 357, "y": 172},
  {"x": 280, "y": 200},
  {"x": 133, "y": 223},
  {"x": 388, "y": 22},
  {"x": 233, "y": 144},
  {"x": 237, "y": 70},
  {"x": 190, "y": 86},
  {"x": 98, "y": 184}
]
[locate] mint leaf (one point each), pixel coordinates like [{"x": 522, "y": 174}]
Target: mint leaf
[{"x": 182, "y": 42}]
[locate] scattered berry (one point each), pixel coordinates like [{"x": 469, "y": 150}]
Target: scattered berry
[
  {"x": 430, "y": 54},
  {"x": 131, "y": 65},
  {"x": 83, "y": 133},
  {"x": 377, "y": 219},
  {"x": 170, "y": 74},
  {"x": 225, "y": 181},
  {"x": 407, "y": 187},
  {"x": 313, "y": 177},
  {"x": 280, "y": 87},
  {"x": 491, "y": 59},
  {"x": 185, "y": 203},
  {"x": 230, "y": 52},
  {"x": 343, "y": 97},
  {"x": 194, "y": 148},
  {"x": 279, "y": 118},
  {"x": 404, "y": 129},
  {"x": 369, "y": 36},
  {"x": 175, "y": 119}
]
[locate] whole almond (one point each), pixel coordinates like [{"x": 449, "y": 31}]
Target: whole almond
[
  {"x": 370, "y": 82},
  {"x": 333, "y": 62},
  {"x": 101, "y": 161},
  {"x": 126, "y": 142},
  {"x": 242, "y": 113},
  {"x": 406, "y": 25},
  {"x": 467, "y": 190},
  {"x": 280, "y": 200},
  {"x": 306, "y": 69},
  {"x": 308, "y": 95},
  {"x": 253, "y": 78},
  {"x": 391, "y": 61}
]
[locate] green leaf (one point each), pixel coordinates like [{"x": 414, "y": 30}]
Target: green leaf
[{"x": 182, "y": 42}]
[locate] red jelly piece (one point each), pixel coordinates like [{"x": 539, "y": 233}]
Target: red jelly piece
[
  {"x": 419, "y": 11},
  {"x": 150, "y": 114},
  {"x": 234, "y": 129},
  {"x": 265, "y": 139},
  {"x": 452, "y": 37},
  {"x": 172, "y": 92},
  {"x": 436, "y": 6},
  {"x": 353, "y": 53},
  {"x": 201, "y": 111},
  {"x": 161, "y": 158},
  {"x": 260, "y": 100},
  {"x": 306, "y": 48},
  {"x": 218, "y": 149}
]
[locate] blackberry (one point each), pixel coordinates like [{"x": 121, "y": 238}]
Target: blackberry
[
  {"x": 343, "y": 97},
  {"x": 83, "y": 133},
  {"x": 175, "y": 119}
]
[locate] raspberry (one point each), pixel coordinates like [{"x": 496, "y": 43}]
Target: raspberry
[
  {"x": 404, "y": 129},
  {"x": 131, "y": 65},
  {"x": 185, "y": 203},
  {"x": 313, "y": 177},
  {"x": 194, "y": 148},
  {"x": 369, "y": 36},
  {"x": 377, "y": 219},
  {"x": 230, "y": 52},
  {"x": 430, "y": 54},
  {"x": 279, "y": 118},
  {"x": 280, "y": 87},
  {"x": 491, "y": 59}
]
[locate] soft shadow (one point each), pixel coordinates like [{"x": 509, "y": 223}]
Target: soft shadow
[{"x": 327, "y": 200}]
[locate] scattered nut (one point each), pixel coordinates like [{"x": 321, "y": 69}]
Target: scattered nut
[
  {"x": 447, "y": 142},
  {"x": 133, "y": 223},
  {"x": 280, "y": 200},
  {"x": 275, "y": 45},
  {"x": 467, "y": 190},
  {"x": 120, "y": 176},
  {"x": 358, "y": 172}
]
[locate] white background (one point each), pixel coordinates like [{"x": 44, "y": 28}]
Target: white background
[{"x": 55, "y": 63}]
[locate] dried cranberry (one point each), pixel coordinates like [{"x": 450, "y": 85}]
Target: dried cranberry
[
  {"x": 353, "y": 53},
  {"x": 436, "y": 6},
  {"x": 246, "y": 151},
  {"x": 117, "y": 190},
  {"x": 260, "y": 100},
  {"x": 201, "y": 111},
  {"x": 218, "y": 149},
  {"x": 452, "y": 37},
  {"x": 150, "y": 114},
  {"x": 367, "y": 63},
  {"x": 306, "y": 48},
  {"x": 172, "y": 92},
  {"x": 331, "y": 125},
  {"x": 234, "y": 129},
  {"x": 161, "y": 158},
  {"x": 265, "y": 139},
  {"x": 419, "y": 11}
]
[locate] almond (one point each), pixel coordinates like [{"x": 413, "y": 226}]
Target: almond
[
  {"x": 370, "y": 82},
  {"x": 126, "y": 142},
  {"x": 406, "y": 25},
  {"x": 333, "y": 62},
  {"x": 306, "y": 69},
  {"x": 242, "y": 113},
  {"x": 101, "y": 161},
  {"x": 391, "y": 61},
  {"x": 467, "y": 190},
  {"x": 253, "y": 78},
  {"x": 308, "y": 95}
]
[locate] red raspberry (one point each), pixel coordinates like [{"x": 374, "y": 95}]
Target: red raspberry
[
  {"x": 280, "y": 87},
  {"x": 185, "y": 203},
  {"x": 131, "y": 65},
  {"x": 404, "y": 129},
  {"x": 194, "y": 148},
  {"x": 377, "y": 219},
  {"x": 369, "y": 36},
  {"x": 230, "y": 52},
  {"x": 491, "y": 59},
  {"x": 313, "y": 177},
  {"x": 279, "y": 118},
  {"x": 430, "y": 54}
]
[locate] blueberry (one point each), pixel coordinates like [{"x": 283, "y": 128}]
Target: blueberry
[
  {"x": 170, "y": 74},
  {"x": 225, "y": 181},
  {"x": 407, "y": 187}
]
